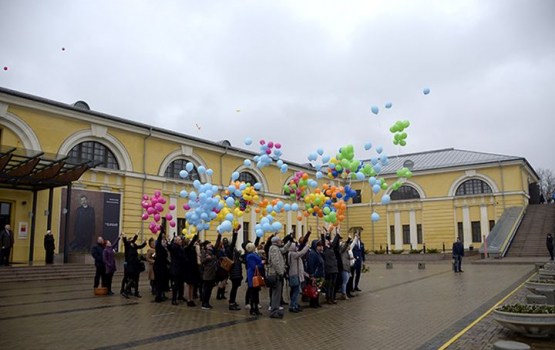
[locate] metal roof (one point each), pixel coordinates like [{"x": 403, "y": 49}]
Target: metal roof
[{"x": 443, "y": 158}]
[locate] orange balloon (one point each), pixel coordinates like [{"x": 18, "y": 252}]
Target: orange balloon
[
  {"x": 305, "y": 176},
  {"x": 299, "y": 218}
]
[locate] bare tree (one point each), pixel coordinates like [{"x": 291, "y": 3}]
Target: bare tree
[{"x": 547, "y": 182}]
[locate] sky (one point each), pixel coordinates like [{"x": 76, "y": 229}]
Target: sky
[{"x": 303, "y": 73}]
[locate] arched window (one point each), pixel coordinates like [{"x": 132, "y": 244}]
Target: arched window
[
  {"x": 172, "y": 171},
  {"x": 405, "y": 192},
  {"x": 92, "y": 151},
  {"x": 473, "y": 186},
  {"x": 247, "y": 177}
]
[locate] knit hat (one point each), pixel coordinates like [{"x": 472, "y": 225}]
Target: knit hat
[{"x": 275, "y": 239}]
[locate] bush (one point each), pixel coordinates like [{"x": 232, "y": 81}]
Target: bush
[
  {"x": 528, "y": 309},
  {"x": 381, "y": 251},
  {"x": 395, "y": 251},
  {"x": 415, "y": 251},
  {"x": 432, "y": 251}
]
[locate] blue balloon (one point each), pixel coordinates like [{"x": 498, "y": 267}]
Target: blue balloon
[
  {"x": 379, "y": 149},
  {"x": 426, "y": 91},
  {"x": 276, "y": 226},
  {"x": 259, "y": 233},
  {"x": 230, "y": 201},
  {"x": 257, "y": 186},
  {"x": 388, "y": 105},
  {"x": 319, "y": 175},
  {"x": 367, "y": 146},
  {"x": 247, "y": 162},
  {"x": 375, "y": 109},
  {"x": 209, "y": 172},
  {"x": 320, "y": 151},
  {"x": 376, "y": 188},
  {"x": 248, "y": 141},
  {"x": 375, "y": 216},
  {"x": 294, "y": 207},
  {"x": 377, "y": 168},
  {"x": 326, "y": 159},
  {"x": 234, "y": 175},
  {"x": 284, "y": 168},
  {"x": 386, "y": 199},
  {"x": 183, "y": 174},
  {"x": 189, "y": 166},
  {"x": 287, "y": 207},
  {"x": 360, "y": 176},
  {"x": 269, "y": 208},
  {"x": 183, "y": 194},
  {"x": 229, "y": 217},
  {"x": 312, "y": 156},
  {"x": 201, "y": 169},
  {"x": 374, "y": 160}
]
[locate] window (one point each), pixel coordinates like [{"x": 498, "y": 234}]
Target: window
[
  {"x": 245, "y": 231},
  {"x": 406, "y": 234},
  {"x": 172, "y": 171},
  {"x": 460, "y": 231},
  {"x": 405, "y": 192},
  {"x": 180, "y": 225},
  {"x": 91, "y": 151},
  {"x": 476, "y": 231},
  {"x": 247, "y": 177},
  {"x": 294, "y": 229},
  {"x": 392, "y": 234},
  {"x": 419, "y": 233},
  {"x": 491, "y": 224},
  {"x": 473, "y": 186},
  {"x": 357, "y": 199}
]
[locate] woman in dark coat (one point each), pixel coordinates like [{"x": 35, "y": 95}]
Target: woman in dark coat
[
  {"x": 191, "y": 269},
  {"x": 549, "y": 244},
  {"x": 109, "y": 258},
  {"x": 177, "y": 268},
  {"x": 315, "y": 266},
  {"x": 133, "y": 266},
  {"x": 161, "y": 268},
  {"x": 49, "y": 247},
  {"x": 236, "y": 272}
]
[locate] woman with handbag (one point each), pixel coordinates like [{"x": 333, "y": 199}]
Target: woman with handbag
[
  {"x": 236, "y": 270},
  {"x": 254, "y": 279},
  {"x": 315, "y": 268}
]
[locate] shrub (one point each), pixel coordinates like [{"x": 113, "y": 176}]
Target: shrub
[
  {"x": 432, "y": 251},
  {"x": 397, "y": 251},
  {"x": 415, "y": 251},
  {"x": 381, "y": 251},
  {"x": 528, "y": 309}
]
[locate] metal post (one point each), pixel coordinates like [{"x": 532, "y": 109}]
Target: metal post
[
  {"x": 66, "y": 223},
  {"x": 33, "y": 220},
  {"x": 49, "y": 217}
]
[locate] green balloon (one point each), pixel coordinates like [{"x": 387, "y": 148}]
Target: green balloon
[
  {"x": 384, "y": 185},
  {"x": 406, "y": 123},
  {"x": 338, "y": 167},
  {"x": 404, "y": 135},
  {"x": 327, "y": 210}
]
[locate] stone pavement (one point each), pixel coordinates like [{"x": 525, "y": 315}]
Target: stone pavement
[{"x": 399, "y": 308}]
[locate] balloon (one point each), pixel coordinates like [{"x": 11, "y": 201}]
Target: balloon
[
  {"x": 172, "y": 223},
  {"x": 262, "y": 142},
  {"x": 183, "y": 194},
  {"x": 248, "y": 141},
  {"x": 284, "y": 168},
  {"x": 326, "y": 159},
  {"x": 277, "y": 145},
  {"x": 209, "y": 172},
  {"x": 183, "y": 174},
  {"x": 145, "y": 216},
  {"x": 367, "y": 146},
  {"x": 388, "y": 105},
  {"x": 172, "y": 207},
  {"x": 379, "y": 149},
  {"x": 320, "y": 151},
  {"x": 376, "y": 188},
  {"x": 201, "y": 169},
  {"x": 375, "y": 216},
  {"x": 294, "y": 207},
  {"x": 189, "y": 166},
  {"x": 247, "y": 163},
  {"x": 426, "y": 91},
  {"x": 169, "y": 217},
  {"x": 386, "y": 199},
  {"x": 375, "y": 109}
]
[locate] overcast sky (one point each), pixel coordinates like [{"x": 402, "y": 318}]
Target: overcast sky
[{"x": 302, "y": 73}]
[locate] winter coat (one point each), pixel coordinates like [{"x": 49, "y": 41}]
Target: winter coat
[
  {"x": 96, "y": 253},
  {"x": 192, "y": 272},
  {"x": 109, "y": 259},
  {"x": 149, "y": 257},
  {"x": 330, "y": 258},
  {"x": 315, "y": 265},
  {"x": 357, "y": 248},
  {"x": 276, "y": 262},
  {"x": 161, "y": 263},
  {"x": 458, "y": 249},
  {"x": 345, "y": 257},
  {"x": 49, "y": 244},
  {"x": 133, "y": 260},
  {"x": 549, "y": 242},
  {"x": 178, "y": 260},
  {"x": 209, "y": 265},
  {"x": 253, "y": 261},
  {"x": 296, "y": 266}
]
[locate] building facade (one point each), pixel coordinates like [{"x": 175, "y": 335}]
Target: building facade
[{"x": 451, "y": 193}]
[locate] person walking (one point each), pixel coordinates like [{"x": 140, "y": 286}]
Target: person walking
[
  {"x": 109, "y": 259},
  {"x": 458, "y": 253},
  {"x": 49, "y": 246},
  {"x": 6, "y": 245},
  {"x": 549, "y": 244}
]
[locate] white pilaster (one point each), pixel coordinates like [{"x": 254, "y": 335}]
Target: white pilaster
[
  {"x": 398, "y": 231},
  {"x": 467, "y": 227},
  {"x": 484, "y": 222},
  {"x": 413, "y": 230}
]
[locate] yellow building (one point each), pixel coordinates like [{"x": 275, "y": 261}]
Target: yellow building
[{"x": 83, "y": 173}]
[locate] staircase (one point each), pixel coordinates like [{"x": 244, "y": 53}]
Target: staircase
[
  {"x": 529, "y": 240},
  {"x": 48, "y": 272}
]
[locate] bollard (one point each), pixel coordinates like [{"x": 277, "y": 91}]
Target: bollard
[
  {"x": 421, "y": 266},
  {"x": 389, "y": 265},
  {"x": 424, "y": 248},
  {"x": 387, "y": 248},
  {"x": 443, "y": 247}
]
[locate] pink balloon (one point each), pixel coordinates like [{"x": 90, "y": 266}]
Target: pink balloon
[
  {"x": 145, "y": 216},
  {"x": 156, "y": 217},
  {"x": 270, "y": 144},
  {"x": 262, "y": 142},
  {"x": 172, "y": 223},
  {"x": 145, "y": 197},
  {"x": 186, "y": 206},
  {"x": 150, "y": 210},
  {"x": 169, "y": 217},
  {"x": 268, "y": 151},
  {"x": 151, "y": 225},
  {"x": 159, "y": 207},
  {"x": 145, "y": 204},
  {"x": 154, "y": 200},
  {"x": 278, "y": 145},
  {"x": 157, "y": 193},
  {"x": 153, "y": 230},
  {"x": 172, "y": 206},
  {"x": 162, "y": 200}
]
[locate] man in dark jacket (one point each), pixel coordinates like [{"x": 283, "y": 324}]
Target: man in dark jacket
[
  {"x": 177, "y": 265},
  {"x": 97, "y": 254},
  {"x": 6, "y": 244},
  {"x": 458, "y": 253},
  {"x": 357, "y": 247},
  {"x": 332, "y": 268},
  {"x": 549, "y": 244}
]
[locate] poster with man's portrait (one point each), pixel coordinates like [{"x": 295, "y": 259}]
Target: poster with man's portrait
[{"x": 91, "y": 214}]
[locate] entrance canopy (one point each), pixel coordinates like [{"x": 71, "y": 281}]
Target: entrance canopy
[{"x": 23, "y": 169}]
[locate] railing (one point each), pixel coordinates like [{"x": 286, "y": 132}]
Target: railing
[{"x": 502, "y": 234}]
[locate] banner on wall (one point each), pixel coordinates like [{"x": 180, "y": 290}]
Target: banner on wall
[
  {"x": 23, "y": 230},
  {"x": 91, "y": 214}
]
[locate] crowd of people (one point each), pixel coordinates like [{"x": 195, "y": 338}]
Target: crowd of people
[{"x": 329, "y": 264}]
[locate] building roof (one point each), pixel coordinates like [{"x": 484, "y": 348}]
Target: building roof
[{"x": 444, "y": 158}]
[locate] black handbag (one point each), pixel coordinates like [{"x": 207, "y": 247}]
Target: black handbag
[{"x": 142, "y": 266}]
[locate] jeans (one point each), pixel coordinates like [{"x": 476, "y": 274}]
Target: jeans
[
  {"x": 276, "y": 296},
  {"x": 207, "y": 287},
  {"x": 330, "y": 286},
  {"x": 457, "y": 263},
  {"x": 235, "y": 283},
  {"x": 100, "y": 272},
  {"x": 294, "y": 296},
  {"x": 345, "y": 279}
]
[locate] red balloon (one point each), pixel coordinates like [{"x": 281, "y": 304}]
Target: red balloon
[
  {"x": 172, "y": 206},
  {"x": 172, "y": 223},
  {"x": 5, "y": 68},
  {"x": 278, "y": 145},
  {"x": 145, "y": 216}
]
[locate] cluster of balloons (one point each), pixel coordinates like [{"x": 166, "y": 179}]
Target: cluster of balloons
[
  {"x": 268, "y": 152},
  {"x": 203, "y": 205},
  {"x": 154, "y": 206},
  {"x": 298, "y": 186},
  {"x": 267, "y": 224},
  {"x": 189, "y": 167},
  {"x": 399, "y": 136}
]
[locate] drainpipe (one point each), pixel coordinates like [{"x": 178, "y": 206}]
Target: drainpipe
[
  {"x": 222, "y": 168},
  {"x": 502, "y": 185},
  {"x": 144, "y": 176}
]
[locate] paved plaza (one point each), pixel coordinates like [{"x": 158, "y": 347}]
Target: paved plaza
[{"x": 399, "y": 308}]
